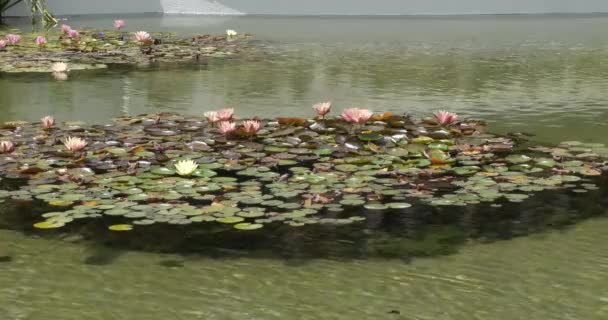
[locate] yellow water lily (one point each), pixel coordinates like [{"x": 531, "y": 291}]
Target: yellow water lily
[{"x": 185, "y": 167}]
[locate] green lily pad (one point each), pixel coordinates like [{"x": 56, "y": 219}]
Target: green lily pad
[
  {"x": 230, "y": 219},
  {"x": 375, "y": 206},
  {"x": 248, "y": 226},
  {"x": 121, "y": 227},
  {"x": 49, "y": 224},
  {"x": 398, "y": 205},
  {"x": 518, "y": 158},
  {"x": 374, "y": 136}
]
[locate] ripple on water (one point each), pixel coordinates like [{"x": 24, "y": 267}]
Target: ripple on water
[{"x": 557, "y": 275}]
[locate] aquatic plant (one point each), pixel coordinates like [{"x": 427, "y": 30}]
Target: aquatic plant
[
  {"x": 59, "y": 67},
  {"x": 212, "y": 116},
  {"x": 226, "y": 127},
  {"x": 73, "y": 34},
  {"x": 356, "y": 115},
  {"x": 143, "y": 38},
  {"x": 47, "y": 122},
  {"x": 2, "y": 44},
  {"x": 225, "y": 114},
  {"x": 185, "y": 167},
  {"x": 119, "y": 24},
  {"x": 96, "y": 50},
  {"x": 252, "y": 126},
  {"x": 41, "y": 41},
  {"x": 322, "y": 108},
  {"x": 74, "y": 144},
  {"x": 6, "y": 147},
  {"x": 65, "y": 28},
  {"x": 13, "y": 38},
  {"x": 175, "y": 169},
  {"x": 120, "y": 227},
  {"x": 445, "y": 117}
]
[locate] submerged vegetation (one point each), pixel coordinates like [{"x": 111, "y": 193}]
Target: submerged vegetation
[
  {"x": 94, "y": 49},
  {"x": 169, "y": 168}
]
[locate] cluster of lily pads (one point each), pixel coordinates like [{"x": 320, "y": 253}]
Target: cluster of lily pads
[
  {"x": 175, "y": 169},
  {"x": 92, "y": 49}
]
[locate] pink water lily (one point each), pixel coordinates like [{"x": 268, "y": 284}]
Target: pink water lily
[
  {"x": 2, "y": 44},
  {"x": 73, "y": 34},
  {"x": 13, "y": 38},
  {"x": 143, "y": 37},
  {"x": 356, "y": 115},
  {"x": 212, "y": 116},
  {"x": 74, "y": 143},
  {"x": 226, "y": 114},
  {"x": 40, "y": 40},
  {"x": 65, "y": 28},
  {"x": 47, "y": 122},
  {"x": 226, "y": 127},
  {"x": 6, "y": 147},
  {"x": 445, "y": 117},
  {"x": 252, "y": 126},
  {"x": 119, "y": 24},
  {"x": 322, "y": 108}
]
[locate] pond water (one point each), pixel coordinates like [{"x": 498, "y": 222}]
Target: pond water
[{"x": 540, "y": 259}]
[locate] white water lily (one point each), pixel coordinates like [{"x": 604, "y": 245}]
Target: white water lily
[
  {"x": 143, "y": 37},
  {"x": 212, "y": 116},
  {"x": 231, "y": 33},
  {"x": 59, "y": 67},
  {"x": 74, "y": 144},
  {"x": 185, "y": 167}
]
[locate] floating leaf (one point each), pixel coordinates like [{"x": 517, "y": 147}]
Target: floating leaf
[
  {"x": 518, "y": 158},
  {"x": 121, "y": 227},
  {"x": 248, "y": 226},
  {"x": 49, "y": 224},
  {"x": 230, "y": 219}
]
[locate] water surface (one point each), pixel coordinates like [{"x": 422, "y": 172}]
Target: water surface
[
  {"x": 549, "y": 71},
  {"x": 542, "y": 259}
]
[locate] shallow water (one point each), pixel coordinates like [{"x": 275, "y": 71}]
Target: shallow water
[
  {"x": 553, "y": 275},
  {"x": 543, "y": 259}
]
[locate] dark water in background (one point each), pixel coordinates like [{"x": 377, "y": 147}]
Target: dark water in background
[{"x": 541, "y": 259}]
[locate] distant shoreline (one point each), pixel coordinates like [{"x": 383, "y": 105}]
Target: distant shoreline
[{"x": 411, "y": 16}]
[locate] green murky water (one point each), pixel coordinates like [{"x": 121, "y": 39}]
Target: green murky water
[{"x": 541, "y": 259}]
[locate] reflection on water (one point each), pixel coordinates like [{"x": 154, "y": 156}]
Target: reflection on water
[
  {"x": 514, "y": 71},
  {"x": 397, "y": 234},
  {"x": 450, "y": 263},
  {"x": 422, "y": 230},
  {"x": 555, "y": 274},
  {"x": 544, "y": 75}
]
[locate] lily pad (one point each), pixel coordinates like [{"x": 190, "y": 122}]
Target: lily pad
[
  {"x": 248, "y": 226},
  {"x": 121, "y": 227}
]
